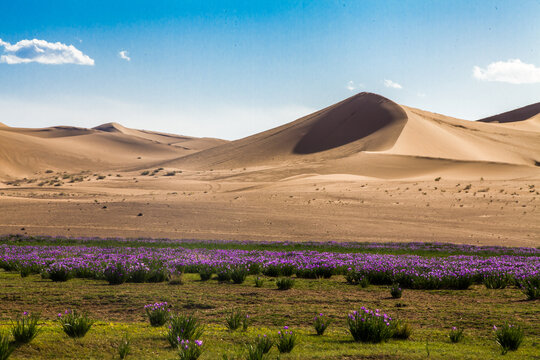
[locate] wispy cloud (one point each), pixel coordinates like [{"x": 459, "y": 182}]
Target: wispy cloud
[
  {"x": 124, "y": 55},
  {"x": 43, "y": 52},
  {"x": 391, "y": 84},
  {"x": 513, "y": 71},
  {"x": 351, "y": 86}
]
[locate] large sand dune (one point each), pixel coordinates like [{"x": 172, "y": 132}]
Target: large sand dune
[{"x": 364, "y": 169}]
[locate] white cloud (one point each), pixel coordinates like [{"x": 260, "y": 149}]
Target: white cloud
[
  {"x": 391, "y": 84},
  {"x": 513, "y": 71},
  {"x": 124, "y": 55},
  {"x": 43, "y": 52}
]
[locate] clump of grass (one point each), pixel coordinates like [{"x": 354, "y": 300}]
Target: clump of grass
[
  {"x": 456, "y": 334},
  {"x": 116, "y": 274},
  {"x": 25, "y": 328},
  {"x": 189, "y": 350},
  {"x": 183, "y": 327},
  {"x": 401, "y": 330},
  {"x": 235, "y": 319},
  {"x": 395, "y": 291},
  {"x": 5, "y": 347},
  {"x": 206, "y": 272},
  {"x": 74, "y": 324},
  {"x": 59, "y": 272},
  {"x": 259, "y": 282},
  {"x": 321, "y": 323},
  {"x": 531, "y": 288},
  {"x": 124, "y": 347},
  {"x": 224, "y": 274},
  {"x": 356, "y": 278},
  {"x": 157, "y": 313},
  {"x": 508, "y": 337},
  {"x": 145, "y": 172},
  {"x": 285, "y": 283},
  {"x": 496, "y": 281},
  {"x": 286, "y": 340},
  {"x": 264, "y": 343},
  {"x": 369, "y": 326},
  {"x": 239, "y": 274}
]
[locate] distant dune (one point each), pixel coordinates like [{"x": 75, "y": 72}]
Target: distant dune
[
  {"x": 370, "y": 135},
  {"x": 364, "y": 135}
]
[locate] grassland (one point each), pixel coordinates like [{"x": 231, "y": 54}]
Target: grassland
[{"x": 119, "y": 310}]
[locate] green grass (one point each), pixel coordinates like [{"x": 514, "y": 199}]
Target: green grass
[
  {"x": 440, "y": 251},
  {"x": 119, "y": 310}
]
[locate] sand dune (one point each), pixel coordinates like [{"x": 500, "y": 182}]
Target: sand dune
[
  {"x": 24, "y": 152},
  {"x": 371, "y": 124},
  {"x": 364, "y": 135}
]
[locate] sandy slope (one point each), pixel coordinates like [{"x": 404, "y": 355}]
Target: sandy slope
[
  {"x": 25, "y": 152},
  {"x": 364, "y": 169}
]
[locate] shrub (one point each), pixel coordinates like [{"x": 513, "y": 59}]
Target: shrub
[
  {"x": 24, "y": 271},
  {"x": 158, "y": 275},
  {"x": 253, "y": 353},
  {"x": 238, "y": 274},
  {"x": 369, "y": 326},
  {"x": 496, "y": 281},
  {"x": 183, "y": 327},
  {"x": 75, "y": 325},
  {"x": 264, "y": 343},
  {"x": 286, "y": 340},
  {"x": 223, "y": 275},
  {"x": 402, "y": 330},
  {"x": 285, "y": 283},
  {"x": 25, "y": 328},
  {"x": 5, "y": 347},
  {"x": 259, "y": 282},
  {"x": 321, "y": 324},
  {"x": 509, "y": 337},
  {"x": 124, "y": 347},
  {"x": 396, "y": 291},
  {"x": 456, "y": 335},
  {"x": 189, "y": 350},
  {"x": 59, "y": 272},
  {"x": 234, "y": 319},
  {"x": 116, "y": 274},
  {"x": 157, "y": 313},
  {"x": 206, "y": 272},
  {"x": 356, "y": 278},
  {"x": 145, "y": 172},
  {"x": 531, "y": 288}
]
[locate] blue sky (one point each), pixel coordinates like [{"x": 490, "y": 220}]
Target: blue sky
[{"x": 232, "y": 68}]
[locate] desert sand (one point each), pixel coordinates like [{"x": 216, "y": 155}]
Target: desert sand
[{"x": 364, "y": 169}]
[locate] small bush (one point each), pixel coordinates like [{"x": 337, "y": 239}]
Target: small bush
[
  {"x": 24, "y": 271},
  {"x": 369, "y": 326},
  {"x": 321, "y": 324},
  {"x": 206, "y": 272},
  {"x": 402, "y": 330},
  {"x": 531, "y": 288},
  {"x": 25, "y": 328},
  {"x": 189, "y": 350},
  {"x": 456, "y": 335},
  {"x": 286, "y": 340},
  {"x": 396, "y": 291},
  {"x": 124, "y": 347},
  {"x": 145, "y": 172},
  {"x": 259, "y": 282},
  {"x": 285, "y": 283},
  {"x": 183, "y": 327},
  {"x": 356, "y": 278},
  {"x": 223, "y": 275},
  {"x": 158, "y": 275},
  {"x": 496, "y": 281},
  {"x": 59, "y": 272},
  {"x": 75, "y": 325},
  {"x": 234, "y": 319},
  {"x": 509, "y": 337},
  {"x": 239, "y": 274},
  {"x": 116, "y": 274},
  {"x": 5, "y": 347},
  {"x": 157, "y": 313},
  {"x": 264, "y": 343}
]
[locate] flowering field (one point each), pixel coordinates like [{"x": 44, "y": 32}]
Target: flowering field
[{"x": 140, "y": 264}]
